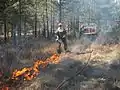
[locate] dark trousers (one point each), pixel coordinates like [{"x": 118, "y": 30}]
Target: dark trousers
[{"x": 64, "y": 41}]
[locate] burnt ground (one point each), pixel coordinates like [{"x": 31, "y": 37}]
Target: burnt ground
[
  {"x": 92, "y": 77},
  {"x": 101, "y": 73}
]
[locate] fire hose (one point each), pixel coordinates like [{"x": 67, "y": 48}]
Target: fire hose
[{"x": 77, "y": 73}]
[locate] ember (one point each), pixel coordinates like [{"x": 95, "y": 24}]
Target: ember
[
  {"x": 5, "y": 88},
  {"x": 32, "y": 72}
]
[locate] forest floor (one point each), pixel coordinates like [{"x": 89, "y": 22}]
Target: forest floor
[{"x": 101, "y": 73}]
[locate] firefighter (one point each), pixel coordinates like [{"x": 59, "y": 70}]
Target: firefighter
[{"x": 61, "y": 37}]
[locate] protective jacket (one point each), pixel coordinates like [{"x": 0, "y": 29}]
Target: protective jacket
[{"x": 60, "y": 33}]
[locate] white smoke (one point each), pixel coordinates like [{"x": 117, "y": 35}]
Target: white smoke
[{"x": 80, "y": 45}]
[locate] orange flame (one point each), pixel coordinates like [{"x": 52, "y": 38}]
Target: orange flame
[
  {"x": 32, "y": 72},
  {"x": 5, "y": 88}
]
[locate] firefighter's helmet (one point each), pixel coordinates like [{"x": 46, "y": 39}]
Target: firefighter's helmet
[{"x": 60, "y": 24}]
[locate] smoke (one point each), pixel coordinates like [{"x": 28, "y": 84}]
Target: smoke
[
  {"x": 80, "y": 45},
  {"x": 101, "y": 38},
  {"x": 85, "y": 42},
  {"x": 106, "y": 38}
]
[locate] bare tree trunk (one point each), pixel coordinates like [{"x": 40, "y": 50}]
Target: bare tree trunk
[
  {"x": 5, "y": 29},
  {"x": 35, "y": 32},
  {"x": 39, "y": 29},
  {"x": 44, "y": 30},
  {"x": 5, "y": 24},
  {"x": 25, "y": 32},
  {"x": 47, "y": 28},
  {"x": 53, "y": 23},
  {"x": 19, "y": 25},
  {"x": 14, "y": 29},
  {"x": 71, "y": 25},
  {"x": 68, "y": 27},
  {"x": 35, "y": 25},
  {"x": 77, "y": 26},
  {"x": 74, "y": 25},
  {"x": 8, "y": 36},
  {"x": 19, "y": 30},
  {"x": 51, "y": 20},
  {"x": 60, "y": 10},
  {"x": 77, "y": 23}
]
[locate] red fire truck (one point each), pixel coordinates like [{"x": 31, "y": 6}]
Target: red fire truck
[{"x": 90, "y": 30}]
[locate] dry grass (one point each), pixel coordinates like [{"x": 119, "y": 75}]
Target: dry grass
[
  {"x": 101, "y": 54},
  {"x": 105, "y": 53}
]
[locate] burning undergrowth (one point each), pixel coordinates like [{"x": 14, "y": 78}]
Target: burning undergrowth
[
  {"x": 22, "y": 59},
  {"x": 51, "y": 75},
  {"x": 27, "y": 73},
  {"x": 27, "y": 76}
]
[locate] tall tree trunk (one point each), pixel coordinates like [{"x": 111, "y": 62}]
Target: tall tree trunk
[
  {"x": 60, "y": 10},
  {"x": 53, "y": 23},
  {"x": 5, "y": 28},
  {"x": 35, "y": 24},
  {"x": 71, "y": 28},
  {"x": 71, "y": 25},
  {"x": 68, "y": 27},
  {"x": 39, "y": 29},
  {"x": 20, "y": 27},
  {"x": 25, "y": 31},
  {"x": 74, "y": 26},
  {"x": 77, "y": 26},
  {"x": 35, "y": 32},
  {"x": 20, "y": 24},
  {"x": 47, "y": 28},
  {"x": 44, "y": 30},
  {"x": 14, "y": 29},
  {"x": 5, "y": 24},
  {"x": 51, "y": 20}
]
